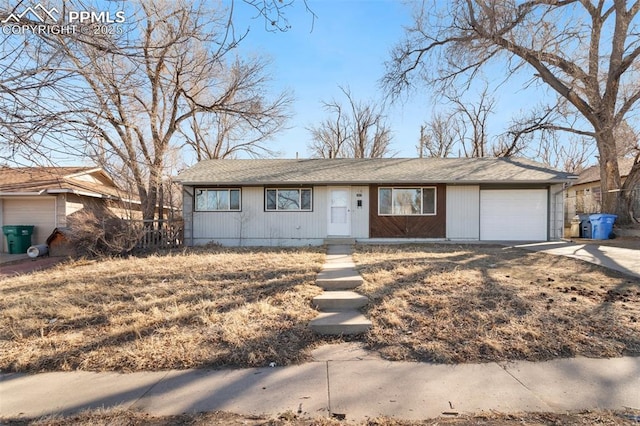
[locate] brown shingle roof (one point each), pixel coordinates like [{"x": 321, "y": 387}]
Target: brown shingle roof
[
  {"x": 43, "y": 179},
  {"x": 592, "y": 174},
  {"x": 379, "y": 170}
]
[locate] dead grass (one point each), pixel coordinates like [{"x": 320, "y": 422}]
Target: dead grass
[
  {"x": 250, "y": 307},
  {"x": 131, "y": 418},
  {"x": 477, "y": 303},
  {"x": 232, "y": 307}
]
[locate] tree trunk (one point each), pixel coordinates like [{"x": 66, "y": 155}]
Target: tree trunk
[
  {"x": 149, "y": 204},
  {"x": 610, "y": 182},
  {"x": 631, "y": 191}
]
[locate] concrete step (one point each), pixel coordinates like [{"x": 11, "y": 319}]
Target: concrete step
[
  {"x": 339, "y": 264},
  {"x": 339, "y": 279},
  {"x": 340, "y": 323},
  {"x": 339, "y": 241},
  {"x": 338, "y": 258},
  {"x": 332, "y": 301}
]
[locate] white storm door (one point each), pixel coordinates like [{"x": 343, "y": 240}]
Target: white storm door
[{"x": 339, "y": 215}]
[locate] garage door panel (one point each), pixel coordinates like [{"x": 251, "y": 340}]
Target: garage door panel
[
  {"x": 513, "y": 215},
  {"x": 37, "y": 212}
]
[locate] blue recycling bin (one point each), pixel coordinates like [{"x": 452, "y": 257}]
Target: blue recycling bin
[{"x": 602, "y": 226}]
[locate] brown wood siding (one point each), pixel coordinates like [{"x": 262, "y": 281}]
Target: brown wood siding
[{"x": 408, "y": 226}]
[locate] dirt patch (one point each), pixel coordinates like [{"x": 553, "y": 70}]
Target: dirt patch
[
  {"x": 27, "y": 266},
  {"x": 477, "y": 303},
  {"x": 196, "y": 308},
  {"x": 131, "y": 418}
]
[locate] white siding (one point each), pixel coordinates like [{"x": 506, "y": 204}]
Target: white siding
[
  {"x": 556, "y": 222},
  {"x": 463, "y": 209},
  {"x": 253, "y": 226},
  {"x": 74, "y": 204},
  {"x": 40, "y": 212},
  {"x": 187, "y": 213},
  {"x": 61, "y": 211}
]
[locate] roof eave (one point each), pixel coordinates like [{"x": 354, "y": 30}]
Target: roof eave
[
  {"x": 82, "y": 193},
  {"x": 21, "y": 194},
  {"x": 379, "y": 182}
]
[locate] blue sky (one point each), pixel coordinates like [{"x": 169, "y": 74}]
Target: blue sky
[{"x": 347, "y": 45}]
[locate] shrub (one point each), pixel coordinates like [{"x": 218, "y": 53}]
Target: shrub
[{"x": 98, "y": 232}]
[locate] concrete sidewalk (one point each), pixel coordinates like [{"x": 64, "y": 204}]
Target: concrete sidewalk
[
  {"x": 619, "y": 259},
  {"x": 343, "y": 379}
]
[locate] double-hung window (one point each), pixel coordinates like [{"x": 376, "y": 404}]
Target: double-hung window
[
  {"x": 218, "y": 199},
  {"x": 415, "y": 201},
  {"x": 288, "y": 199}
]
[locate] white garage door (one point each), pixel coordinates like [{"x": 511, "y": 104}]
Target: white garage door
[
  {"x": 37, "y": 212},
  {"x": 513, "y": 215}
]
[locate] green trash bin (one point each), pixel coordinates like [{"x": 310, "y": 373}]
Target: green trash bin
[{"x": 18, "y": 237}]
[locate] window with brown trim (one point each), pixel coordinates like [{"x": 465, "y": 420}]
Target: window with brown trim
[{"x": 413, "y": 201}]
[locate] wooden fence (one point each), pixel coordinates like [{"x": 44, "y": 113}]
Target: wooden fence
[{"x": 160, "y": 234}]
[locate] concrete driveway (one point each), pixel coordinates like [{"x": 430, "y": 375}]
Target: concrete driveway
[
  {"x": 624, "y": 260},
  {"x": 18, "y": 264}
]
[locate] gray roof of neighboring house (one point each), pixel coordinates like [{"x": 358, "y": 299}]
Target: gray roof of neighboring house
[
  {"x": 592, "y": 174},
  {"x": 365, "y": 171}
]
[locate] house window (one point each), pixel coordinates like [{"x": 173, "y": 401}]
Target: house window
[
  {"x": 288, "y": 199},
  {"x": 407, "y": 201},
  {"x": 218, "y": 200}
]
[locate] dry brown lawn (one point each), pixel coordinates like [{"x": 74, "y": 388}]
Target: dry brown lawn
[
  {"x": 250, "y": 307},
  {"x": 207, "y": 307},
  {"x": 452, "y": 303}
]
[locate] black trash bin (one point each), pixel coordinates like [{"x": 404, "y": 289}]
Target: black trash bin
[
  {"x": 18, "y": 237},
  {"x": 585, "y": 226}
]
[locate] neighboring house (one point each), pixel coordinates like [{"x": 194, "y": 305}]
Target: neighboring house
[
  {"x": 300, "y": 202},
  {"x": 584, "y": 195},
  {"x": 46, "y": 196}
]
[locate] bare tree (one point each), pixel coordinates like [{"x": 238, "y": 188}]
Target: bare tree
[
  {"x": 586, "y": 52},
  {"x": 465, "y": 126},
  {"x": 471, "y": 122},
  {"x": 437, "y": 137},
  {"x": 573, "y": 156},
  {"x": 125, "y": 98},
  {"x": 224, "y": 134},
  {"x": 329, "y": 138},
  {"x": 358, "y": 130},
  {"x": 627, "y": 140}
]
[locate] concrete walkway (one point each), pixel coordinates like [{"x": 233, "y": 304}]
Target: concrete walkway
[
  {"x": 343, "y": 379},
  {"x": 339, "y": 305},
  {"x": 616, "y": 258}
]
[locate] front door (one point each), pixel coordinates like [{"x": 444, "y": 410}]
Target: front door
[{"x": 339, "y": 212}]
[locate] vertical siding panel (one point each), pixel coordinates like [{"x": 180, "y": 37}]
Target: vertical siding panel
[
  {"x": 463, "y": 209},
  {"x": 61, "y": 210},
  {"x": 187, "y": 215},
  {"x": 556, "y": 221},
  {"x": 255, "y": 226}
]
